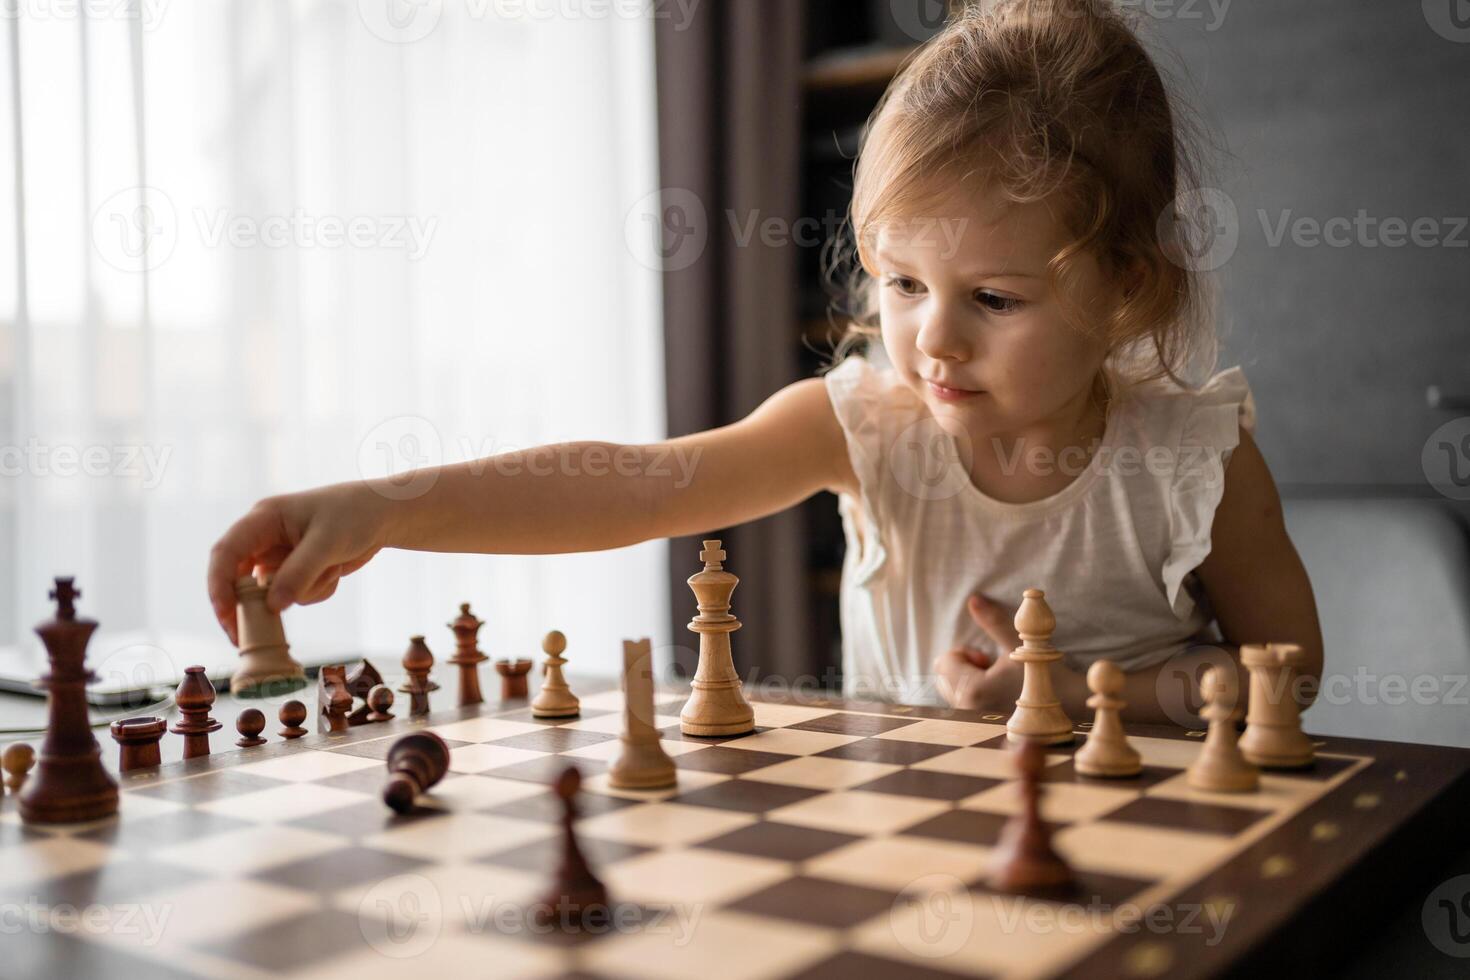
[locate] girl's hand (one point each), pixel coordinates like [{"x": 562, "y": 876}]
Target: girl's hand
[
  {"x": 974, "y": 680},
  {"x": 308, "y": 540}
]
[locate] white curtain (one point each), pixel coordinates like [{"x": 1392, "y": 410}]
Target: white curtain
[{"x": 252, "y": 246}]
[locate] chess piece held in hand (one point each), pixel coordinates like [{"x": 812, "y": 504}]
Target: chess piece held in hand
[
  {"x": 70, "y": 784},
  {"x": 1106, "y": 753},
  {"x": 1038, "y": 715},
  {"x": 716, "y": 704},
  {"x": 266, "y": 667}
]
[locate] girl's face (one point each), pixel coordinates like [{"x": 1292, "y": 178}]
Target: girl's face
[{"x": 969, "y": 324}]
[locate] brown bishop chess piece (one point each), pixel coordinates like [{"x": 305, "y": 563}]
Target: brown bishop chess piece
[
  {"x": 194, "y": 697},
  {"x": 266, "y": 668},
  {"x": 1024, "y": 861},
  {"x": 17, "y": 761},
  {"x": 1038, "y": 715},
  {"x": 292, "y": 715},
  {"x": 576, "y": 896},
  {"x": 417, "y": 662},
  {"x": 641, "y": 762},
  {"x": 716, "y": 704},
  {"x": 555, "y": 699},
  {"x": 333, "y": 700},
  {"x": 1273, "y": 736},
  {"x": 513, "y": 678},
  {"x": 137, "y": 740},
  {"x": 250, "y": 723},
  {"x": 415, "y": 762},
  {"x": 70, "y": 784},
  {"x": 362, "y": 680},
  {"x": 467, "y": 656},
  {"x": 379, "y": 700}
]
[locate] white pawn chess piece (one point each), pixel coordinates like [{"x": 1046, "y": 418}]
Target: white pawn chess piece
[
  {"x": 1220, "y": 767},
  {"x": 555, "y": 699},
  {"x": 716, "y": 704},
  {"x": 1107, "y": 752},
  {"x": 1038, "y": 715},
  {"x": 641, "y": 762},
  {"x": 1273, "y": 736}
]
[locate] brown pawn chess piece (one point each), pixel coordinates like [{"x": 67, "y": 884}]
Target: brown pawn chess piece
[
  {"x": 1220, "y": 767},
  {"x": 555, "y": 699},
  {"x": 575, "y": 891},
  {"x": 1038, "y": 715},
  {"x": 195, "y": 696},
  {"x": 416, "y": 762},
  {"x": 417, "y": 662},
  {"x": 1273, "y": 736},
  {"x": 1024, "y": 861},
  {"x": 137, "y": 740},
  {"x": 467, "y": 656},
  {"x": 360, "y": 682},
  {"x": 250, "y": 723},
  {"x": 291, "y": 715},
  {"x": 1106, "y": 753},
  {"x": 513, "y": 678},
  {"x": 17, "y": 761},
  {"x": 641, "y": 762},
  {"x": 266, "y": 668},
  {"x": 716, "y": 704},
  {"x": 379, "y": 700},
  {"x": 333, "y": 700},
  {"x": 70, "y": 784}
]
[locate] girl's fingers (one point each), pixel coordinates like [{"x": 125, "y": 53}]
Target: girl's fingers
[{"x": 995, "y": 620}]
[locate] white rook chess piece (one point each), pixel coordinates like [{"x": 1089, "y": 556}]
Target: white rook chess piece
[
  {"x": 1038, "y": 715},
  {"x": 716, "y": 705},
  {"x": 1273, "y": 736},
  {"x": 266, "y": 666},
  {"x": 1220, "y": 767},
  {"x": 1106, "y": 751},
  {"x": 641, "y": 762}
]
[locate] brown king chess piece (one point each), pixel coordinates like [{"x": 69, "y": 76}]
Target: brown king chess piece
[
  {"x": 266, "y": 667},
  {"x": 513, "y": 684},
  {"x": 416, "y": 762},
  {"x": 417, "y": 662},
  {"x": 194, "y": 698},
  {"x": 137, "y": 740},
  {"x": 70, "y": 784},
  {"x": 333, "y": 700},
  {"x": 467, "y": 656}
]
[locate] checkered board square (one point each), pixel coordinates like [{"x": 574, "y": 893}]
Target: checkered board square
[{"x": 838, "y": 839}]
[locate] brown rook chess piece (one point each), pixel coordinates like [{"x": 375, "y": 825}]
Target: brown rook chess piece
[
  {"x": 1024, "y": 862},
  {"x": 70, "y": 784},
  {"x": 513, "y": 678},
  {"x": 291, "y": 715},
  {"x": 333, "y": 700},
  {"x": 716, "y": 704},
  {"x": 416, "y": 762},
  {"x": 266, "y": 668},
  {"x": 467, "y": 656},
  {"x": 137, "y": 740},
  {"x": 555, "y": 699},
  {"x": 575, "y": 892},
  {"x": 641, "y": 762},
  {"x": 250, "y": 723},
  {"x": 417, "y": 662},
  {"x": 194, "y": 697}
]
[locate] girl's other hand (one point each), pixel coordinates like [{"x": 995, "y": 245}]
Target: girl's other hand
[{"x": 972, "y": 679}]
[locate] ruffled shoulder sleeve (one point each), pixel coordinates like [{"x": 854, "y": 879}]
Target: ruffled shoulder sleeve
[{"x": 1203, "y": 428}]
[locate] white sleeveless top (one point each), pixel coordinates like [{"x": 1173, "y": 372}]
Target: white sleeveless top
[{"x": 1115, "y": 550}]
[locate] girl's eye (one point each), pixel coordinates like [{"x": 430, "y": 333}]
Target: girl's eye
[
  {"x": 903, "y": 284},
  {"x": 1000, "y": 304}
]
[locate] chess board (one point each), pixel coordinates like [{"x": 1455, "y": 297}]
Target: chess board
[{"x": 840, "y": 840}]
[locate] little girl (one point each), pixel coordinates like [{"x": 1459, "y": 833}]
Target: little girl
[{"x": 1020, "y": 422}]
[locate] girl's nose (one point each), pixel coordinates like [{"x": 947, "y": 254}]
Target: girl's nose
[{"x": 942, "y": 338}]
